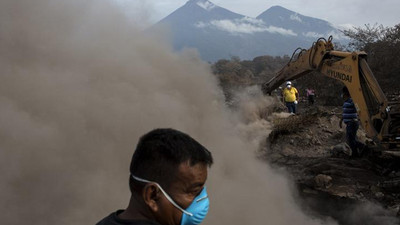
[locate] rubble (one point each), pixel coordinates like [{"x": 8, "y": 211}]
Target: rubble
[
  {"x": 312, "y": 147},
  {"x": 340, "y": 149},
  {"x": 323, "y": 181}
]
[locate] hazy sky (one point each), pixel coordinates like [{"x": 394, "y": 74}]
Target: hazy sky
[{"x": 338, "y": 12}]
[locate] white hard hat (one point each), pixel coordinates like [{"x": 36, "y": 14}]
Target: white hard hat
[{"x": 288, "y": 83}]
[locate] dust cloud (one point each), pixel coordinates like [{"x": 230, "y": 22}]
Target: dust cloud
[{"x": 80, "y": 83}]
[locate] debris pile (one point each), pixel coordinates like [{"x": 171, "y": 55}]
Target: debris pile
[{"x": 312, "y": 147}]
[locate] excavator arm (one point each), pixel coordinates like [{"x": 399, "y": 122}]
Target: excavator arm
[{"x": 379, "y": 118}]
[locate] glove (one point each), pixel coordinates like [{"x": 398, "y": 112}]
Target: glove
[{"x": 295, "y": 102}]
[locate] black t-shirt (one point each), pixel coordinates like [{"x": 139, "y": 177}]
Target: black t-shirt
[{"x": 113, "y": 219}]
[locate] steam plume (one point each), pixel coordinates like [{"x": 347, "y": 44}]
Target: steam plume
[{"x": 79, "y": 85}]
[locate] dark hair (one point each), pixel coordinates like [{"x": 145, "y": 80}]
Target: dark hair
[
  {"x": 345, "y": 91},
  {"x": 159, "y": 153}
]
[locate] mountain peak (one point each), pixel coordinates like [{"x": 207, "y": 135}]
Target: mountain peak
[
  {"x": 279, "y": 10},
  {"x": 205, "y": 4},
  {"x": 195, "y": 11},
  {"x": 276, "y": 7}
]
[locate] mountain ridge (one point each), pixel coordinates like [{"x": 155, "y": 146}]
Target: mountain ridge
[{"x": 219, "y": 33}]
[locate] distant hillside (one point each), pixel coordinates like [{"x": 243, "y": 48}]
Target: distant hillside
[
  {"x": 303, "y": 26},
  {"x": 218, "y": 33}
]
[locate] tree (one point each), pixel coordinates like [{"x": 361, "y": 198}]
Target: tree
[
  {"x": 361, "y": 37},
  {"x": 382, "y": 44}
]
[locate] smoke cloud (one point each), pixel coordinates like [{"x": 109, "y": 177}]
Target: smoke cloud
[{"x": 80, "y": 83}]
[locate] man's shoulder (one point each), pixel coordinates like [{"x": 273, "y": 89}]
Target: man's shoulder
[
  {"x": 348, "y": 103},
  {"x": 109, "y": 220},
  {"x": 106, "y": 220},
  {"x": 113, "y": 219}
]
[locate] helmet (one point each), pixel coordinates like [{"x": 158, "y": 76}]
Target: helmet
[{"x": 288, "y": 83}]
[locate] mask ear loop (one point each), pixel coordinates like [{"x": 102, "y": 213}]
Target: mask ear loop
[{"x": 165, "y": 194}]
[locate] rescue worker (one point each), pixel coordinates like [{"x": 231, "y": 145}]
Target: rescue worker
[
  {"x": 310, "y": 95},
  {"x": 167, "y": 179},
  {"x": 290, "y": 97},
  {"x": 350, "y": 118}
]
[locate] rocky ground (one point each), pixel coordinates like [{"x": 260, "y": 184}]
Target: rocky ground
[{"x": 311, "y": 146}]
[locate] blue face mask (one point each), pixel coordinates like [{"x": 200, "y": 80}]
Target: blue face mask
[{"x": 197, "y": 210}]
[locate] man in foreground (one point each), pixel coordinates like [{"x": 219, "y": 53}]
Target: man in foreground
[{"x": 168, "y": 174}]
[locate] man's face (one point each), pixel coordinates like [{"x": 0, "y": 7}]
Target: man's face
[{"x": 189, "y": 182}]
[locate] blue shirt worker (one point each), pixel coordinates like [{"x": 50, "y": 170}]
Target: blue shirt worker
[{"x": 350, "y": 118}]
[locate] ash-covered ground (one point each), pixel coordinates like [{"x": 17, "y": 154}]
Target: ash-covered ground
[{"x": 311, "y": 147}]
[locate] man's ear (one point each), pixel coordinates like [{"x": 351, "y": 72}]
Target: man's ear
[{"x": 151, "y": 196}]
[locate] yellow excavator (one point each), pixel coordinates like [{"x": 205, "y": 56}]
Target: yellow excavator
[{"x": 379, "y": 117}]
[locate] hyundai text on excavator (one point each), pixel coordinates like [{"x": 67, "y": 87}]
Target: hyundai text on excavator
[{"x": 379, "y": 117}]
